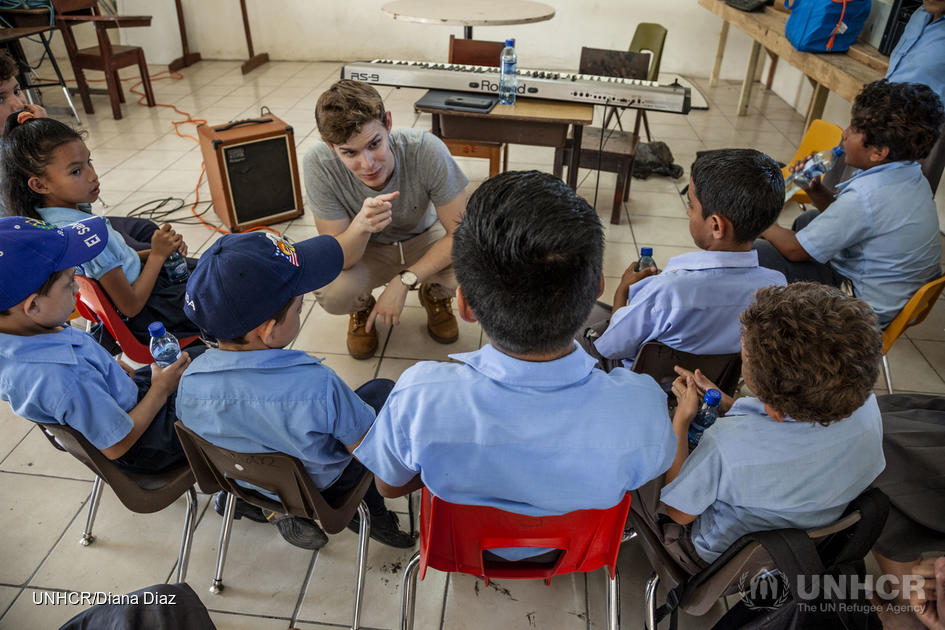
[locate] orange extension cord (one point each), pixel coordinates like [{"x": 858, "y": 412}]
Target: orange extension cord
[{"x": 188, "y": 120}]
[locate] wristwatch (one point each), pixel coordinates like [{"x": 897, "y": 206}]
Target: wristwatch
[{"x": 409, "y": 279}]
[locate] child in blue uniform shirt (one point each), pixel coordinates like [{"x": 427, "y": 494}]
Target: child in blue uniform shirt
[
  {"x": 525, "y": 424},
  {"x": 252, "y": 395},
  {"x": 53, "y": 373},
  {"x": 796, "y": 455},
  {"x": 881, "y": 230},
  {"x": 694, "y": 303}
]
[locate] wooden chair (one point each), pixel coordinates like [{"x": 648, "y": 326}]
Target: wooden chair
[
  {"x": 477, "y": 53},
  {"x": 139, "y": 492},
  {"x": 104, "y": 57},
  {"x": 216, "y": 468},
  {"x": 614, "y": 153},
  {"x": 914, "y": 312}
]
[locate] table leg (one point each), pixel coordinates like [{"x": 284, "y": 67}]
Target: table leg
[
  {"x": 817, "y": 102},
  {"x": 771, "y": 68},
  {"x": 750, "y": 72},
  {"x": 467, "y": 32},
  {"x": 574, "y": 165},
  {"x": 719, "y": 53}
]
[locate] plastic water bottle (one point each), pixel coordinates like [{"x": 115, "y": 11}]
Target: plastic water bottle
[
  {"x": 164, "y": 346},
  {"x": 508, "y": 79},
  {"x": 176, "y": 268},
  {"x": 646, "y": 259},
  {"x": 817, "y": 165},
  {"x": 708, "y": 412}
]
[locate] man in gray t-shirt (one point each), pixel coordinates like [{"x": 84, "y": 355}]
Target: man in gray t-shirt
[{"x": 393, "y": 200}]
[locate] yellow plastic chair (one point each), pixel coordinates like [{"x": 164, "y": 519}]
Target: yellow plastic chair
[
  {"x": 820, "y": 136},
  {"x": 914, "y": 312}
]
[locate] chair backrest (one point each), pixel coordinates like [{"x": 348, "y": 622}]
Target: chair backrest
[
  {"x": 94, "y": 305},
  {"x": 140, "y": 493},
  {"x": 914, "y": 312},
  {"x": 475, "y": 52},
  {"x": 69, "y": 6},
  {"x": 820, "y": 136},
  {"x": 650, "y": 36},
  {"x": 453, "y": 538},
  {"x": 217, "y": 468},
  {"x": 658, "y": 360},
  {"x": 614, "y": 63}
]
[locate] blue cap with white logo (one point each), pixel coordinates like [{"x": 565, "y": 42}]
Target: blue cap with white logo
[{"x": 31, "y": 250}]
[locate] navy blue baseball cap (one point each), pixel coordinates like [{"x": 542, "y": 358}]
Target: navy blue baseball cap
[
  {"x": 244, "y": 279},
  {"x": 32, "y": 250}
]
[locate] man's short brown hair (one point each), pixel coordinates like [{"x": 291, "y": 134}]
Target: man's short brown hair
[
  {"x": 8, "y": 68},
  {"x": 344, "y": 108},
  {"x": 812, "y": 353}
]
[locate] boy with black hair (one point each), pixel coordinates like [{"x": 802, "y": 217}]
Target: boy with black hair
[
  {"x": 252, "y": 395},
  {"x": 796, "y": 455},
  {"x": 525, "y": 424},
  {"x": 881, "y": 230},
  {"x": 50, "y": 372},
  {"x": 693, "y": 305}
]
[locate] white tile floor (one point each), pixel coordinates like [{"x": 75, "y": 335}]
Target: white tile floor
[{"x": 141, "y": 159}]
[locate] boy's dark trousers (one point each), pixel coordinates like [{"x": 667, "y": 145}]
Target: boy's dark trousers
[
  {"x": 158, "y": 447},
  {"x": 806, "y": 271},
  {"x": 374, "y": 393},
  {"x": 645, "y": 513}
]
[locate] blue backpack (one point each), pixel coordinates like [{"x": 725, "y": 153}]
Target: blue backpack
[{"x": 825, "y": 25}]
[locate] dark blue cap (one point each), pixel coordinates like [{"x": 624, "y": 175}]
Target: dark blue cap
[
  {"x": 244, "y": 279},
  {"x": 712, "y": 397},
  {"x": 156, "y": 329},
  {"x": 32, "y": 250},
  {"x": 646, "y": 251}
]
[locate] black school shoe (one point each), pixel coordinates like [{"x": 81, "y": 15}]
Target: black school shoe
[
  {"x": 300, "y": 532},
  {"x": 385, "y": 530},
  {"x": 243, "y": 508}
]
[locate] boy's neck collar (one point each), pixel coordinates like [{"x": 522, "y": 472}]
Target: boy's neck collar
[{"x": 537, "y": 357}]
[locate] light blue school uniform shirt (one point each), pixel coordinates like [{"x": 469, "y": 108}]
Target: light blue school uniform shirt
[
  {"x": 117, "y": 252},
  {"x": 266, "y": 401},
  {"x": 751, "y": 473},
  {"x": 692, "y": 305},
  {"x": 533, "y": 438},
  {"x": 919, "y": 57},
  {"x": 881, "y": 233},
  {"x": 67, "y": 378}
]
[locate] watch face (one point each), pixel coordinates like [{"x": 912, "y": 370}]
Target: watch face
[{"x": 409, "y": 279}]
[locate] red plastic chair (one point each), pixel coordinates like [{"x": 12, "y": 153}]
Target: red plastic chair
[
  {"x": 95, "y": 306},
  {"x": 453, "y": 538}
]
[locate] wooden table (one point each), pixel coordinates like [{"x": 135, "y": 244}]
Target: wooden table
[
  {"x": 531, "y": 121},
  {"x": 843, "y": 73},
  {"x": 469, "y": 13}
]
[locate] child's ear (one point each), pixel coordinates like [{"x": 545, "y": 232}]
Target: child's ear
[
  {"x": 264, "y": 330},
  {"x": 37, "y": 185},
  {"x": 389, "y": 120},
  {"x": 721, "y": 227},
  {"x": 774, "y": 414},
  {"x": 878, "y": 155},
  {"x": 465, "y": 311}
]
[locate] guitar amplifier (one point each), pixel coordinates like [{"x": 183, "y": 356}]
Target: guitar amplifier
[{"x": 252, "y": 170}]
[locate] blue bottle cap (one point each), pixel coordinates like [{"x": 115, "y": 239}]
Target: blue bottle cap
[
  {"x": 712, "y": 397},
  {"x": 838, "y": 150},
  {"x": 510, "y": 43},
  {"x": 156, "y": 329},
  {"x": 646, "y": 251}
]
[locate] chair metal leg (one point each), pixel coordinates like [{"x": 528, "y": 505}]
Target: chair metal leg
[
  {"x": 613, "y": 602},
  {"x": 216, "y": 587},
  {"x": 649, "y": 602},
  {"x": 887, "y": 374},
  {"x": 408, "y": 592},
  {"x": 87, "y": 537},
  {"x": 410, "y": 514},
  {"x": 363, "y": 533},
  {"x": 304, "y": 590},
  {"x": 190, "y": 522}
]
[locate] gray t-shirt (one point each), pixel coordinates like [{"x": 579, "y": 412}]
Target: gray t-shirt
[{"x": 424, "y": 172}]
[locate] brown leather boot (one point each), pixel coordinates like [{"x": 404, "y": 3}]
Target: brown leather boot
[
  {"x": 361, "y": 344},
  {"x": 441, "y": 323}
]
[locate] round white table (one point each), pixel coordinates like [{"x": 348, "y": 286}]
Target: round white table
[{"x": 469, "y": 13}]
